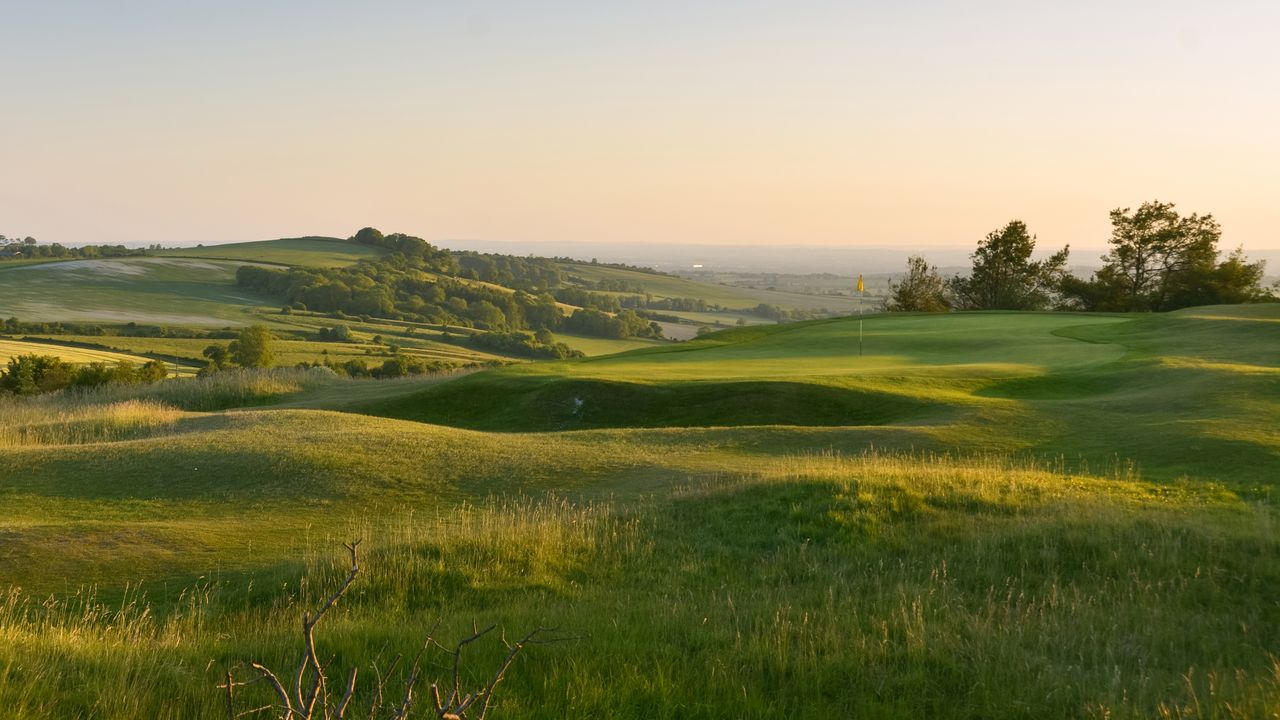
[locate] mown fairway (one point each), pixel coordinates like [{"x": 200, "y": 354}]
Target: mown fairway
[{"x": 986, "y": 515}]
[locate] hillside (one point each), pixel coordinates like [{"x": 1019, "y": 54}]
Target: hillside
[
  {"x": 303, "y": 251},
  {"x": 946, "y": 526},
  {"x": 1086, "y": 388}
]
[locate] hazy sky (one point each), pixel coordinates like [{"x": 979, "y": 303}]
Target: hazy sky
[{"x": 889, "y": 123}]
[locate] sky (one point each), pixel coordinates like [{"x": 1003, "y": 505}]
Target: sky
[{"x": 907, "y": 124}]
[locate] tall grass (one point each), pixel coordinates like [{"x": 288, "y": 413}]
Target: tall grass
[
  {"x": 822, "y": 586},
  {"x": 78, "y": 421}
]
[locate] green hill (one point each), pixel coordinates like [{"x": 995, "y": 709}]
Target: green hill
[
  {"x": 145, "y": 290},
  {"x": 946, "y": 526},
  {"x": 1179, "y": 394}
]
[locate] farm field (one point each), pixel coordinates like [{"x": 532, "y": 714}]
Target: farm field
[
  {"x": 75, "y": 355},
  {"x": 305, "y": 252},
  {"x": 985, "y": 515},
  {"x": 145, "y": 290},
  {"x": 669, "y": 286}
]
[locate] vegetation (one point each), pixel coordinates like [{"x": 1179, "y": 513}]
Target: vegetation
[
  {"x": 1160, "y": 260},
  {"x": 922, "y": 290},
  {"x": 28, "y": 248},
  {"x": 1004, "y": 277},
  {"x": 989, "y": 514},
  {"x": 30, "y": 374}
]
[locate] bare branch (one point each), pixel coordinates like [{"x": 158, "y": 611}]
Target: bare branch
[
  {"x": 346, "y": 697},
  {"x": 274, "y": 682}
]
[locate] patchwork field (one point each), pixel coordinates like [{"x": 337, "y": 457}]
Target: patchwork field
[
  {"x": 996, "y": 515},
  {"x": 74, "y": 355}
]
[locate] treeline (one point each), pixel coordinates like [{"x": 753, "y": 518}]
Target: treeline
[
  {"x": 421, "y": 283},
  {"x": 29, "y": 248},
  {"x": 253, "y": 348},
  {"x": 32, "y": 374},
  {"x": 1159, "y": 260},
  {"x": 14, "y": 326}
]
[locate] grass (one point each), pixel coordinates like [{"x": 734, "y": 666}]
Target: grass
[
  {"x": 304, "y": 251},
  {"x": 146, "y": 290},
  {"x": 1184, "y": 395},
  {"x": 74, "y": 355},
  {"x": 986, "y": 515},
  {"x": 878, "y": 586}
]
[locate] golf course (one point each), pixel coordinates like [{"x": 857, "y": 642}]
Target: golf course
[{"x": 978, "y": 514}]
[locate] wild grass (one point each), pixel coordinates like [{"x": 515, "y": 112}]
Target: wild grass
[
  {"x": 49, "y": 421},
  {"x": 985, "y": 566},
  {"x": 825, "y": 586}
]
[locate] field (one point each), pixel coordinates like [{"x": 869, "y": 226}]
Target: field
[
  {"x": 727, "y": 296},
  {"x": 145, "y": 290},
  {"x": 306, "y": 251},
  {"x": 73, "y": 355},
  {"x": 997, "y": 515}
]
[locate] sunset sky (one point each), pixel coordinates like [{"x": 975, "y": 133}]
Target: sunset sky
[{"x": 909, "y": 124}]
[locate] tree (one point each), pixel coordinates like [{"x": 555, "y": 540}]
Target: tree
[
  {"x": 1004, "y": 276},
  {"x": 219, "y": 357},
  {"x": 29, "y": 374},
  {"x": 1160, "y": 261},
  {"x": 369, "y": 236},
  {"x": 922, "y": 290},
  {"x": 252, "y": 348},
  {"x": 153, "y": 371},
  {"x": 1151, "y": 249}
]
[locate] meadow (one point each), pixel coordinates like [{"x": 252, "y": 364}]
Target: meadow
[{"x": 1006, "y": 515}]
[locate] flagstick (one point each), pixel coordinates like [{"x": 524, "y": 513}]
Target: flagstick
[{"x": 860, "y": 296}]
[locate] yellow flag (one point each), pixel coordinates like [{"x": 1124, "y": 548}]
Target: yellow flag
[{"x": 861, "y": 287}]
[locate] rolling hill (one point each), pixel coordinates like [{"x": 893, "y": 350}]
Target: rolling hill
[
  {"x": 1000, "y": 514},
  {"x": 987, "y": 514}
]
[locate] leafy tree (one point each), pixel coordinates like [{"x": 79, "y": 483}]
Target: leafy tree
[
  {"x": 153, "y": 371},
  {"x": 369, "y": 236},
  {"x": 922, "y": 290},
  {"x": 1004, "y": 277},
  {"x": 218, "y": 355},
  {"x": 252, "y": 349},
  {"x": 1160, "y": 260},
  {"x": 30, "y": 374}
]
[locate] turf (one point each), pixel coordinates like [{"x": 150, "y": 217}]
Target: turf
[
  {"x": 1193, "y": 394},
  {"x": 997, "y": 515}
]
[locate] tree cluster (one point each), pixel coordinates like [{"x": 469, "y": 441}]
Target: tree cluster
[
  {"x": 420, "y": 283},
  {"x": 252, "y": 348},
  {"x": 29, "y": 248},
  {"x": 32, "y": 374},
  {"x": 1158, "y": 261}
]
